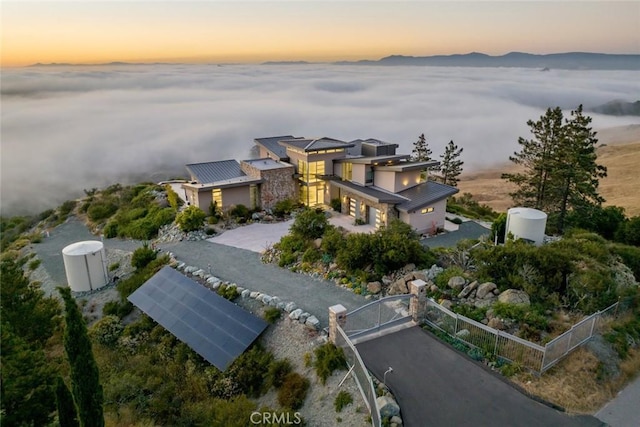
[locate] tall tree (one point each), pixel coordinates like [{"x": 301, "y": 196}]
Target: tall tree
[
  {"x": 421, "y": 151},
  {"x": 451, "y": 165},
  {"x": 67, "y": 413},
  {"x": 561, "y": 172},
  {"x": 85, "y": 378},
  {"x": 535, "y": 157}
]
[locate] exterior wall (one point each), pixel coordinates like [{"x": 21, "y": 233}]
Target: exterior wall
[
  {"x": 362, "y": 206},
  {"x": 198, "y": 197},
  {"x": 204, "y": 200},
  {"x": 358, "y": 174},
  {"x": 235, "y": 196},
  {"x": 313, "y": 157},
  {"x": 278, "y": 184},
  {"x": 425, "y": 223},
  {"x": 396, "y": 181}
]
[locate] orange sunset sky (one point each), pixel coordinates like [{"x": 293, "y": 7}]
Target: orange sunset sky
[{"x": 242, "y": 31}]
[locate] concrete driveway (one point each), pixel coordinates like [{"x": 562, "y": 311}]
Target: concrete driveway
[
  {"x": 437, "y": 386},
  {"x": 253, "y": 237}
]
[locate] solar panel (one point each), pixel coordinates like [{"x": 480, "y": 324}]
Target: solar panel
[{"x": 213, "y": 327}]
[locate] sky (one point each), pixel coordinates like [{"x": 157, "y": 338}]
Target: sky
[{"x": 242, "y": 31}]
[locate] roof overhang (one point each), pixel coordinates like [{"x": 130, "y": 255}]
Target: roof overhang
[{"x": 408, "y": 166}]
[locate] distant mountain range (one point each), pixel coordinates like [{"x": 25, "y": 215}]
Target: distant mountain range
[{"x": 565, "y": 61}]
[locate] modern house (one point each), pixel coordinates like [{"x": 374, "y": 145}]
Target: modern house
[{"x": 372, "y": 182}]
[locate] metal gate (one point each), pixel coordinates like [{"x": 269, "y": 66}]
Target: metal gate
[{"x": 377, "y": 315}]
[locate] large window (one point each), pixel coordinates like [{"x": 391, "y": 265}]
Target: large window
[
  {"x": 217, "y": 197},
  {"x": 368, "y": 176},
  {"x": 347, "y": 171},
  {"x": 312, "y": 195},
  {"x": 309, "y": 171}
]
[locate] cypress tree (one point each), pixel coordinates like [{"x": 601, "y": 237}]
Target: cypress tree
[
  {"x": 85, "y": 378},
  {"x": 451, "y": 165},
  {"x": 421, "y": 151},
  {"x": 67, "y": 414}
]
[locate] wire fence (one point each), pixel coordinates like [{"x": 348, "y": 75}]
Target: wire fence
[
  {"x": 515, "y": 349},
  {"x": 361, "y": 375}
]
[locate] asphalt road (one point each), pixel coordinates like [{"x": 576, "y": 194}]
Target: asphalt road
[
  {"x": 244, "y": 268},
  {"x": 623, "y": 410},
  {"x": 437, "y": 386}
]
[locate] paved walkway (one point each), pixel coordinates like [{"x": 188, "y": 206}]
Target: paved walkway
[
  {"x": 467, "y": 230},
  {"x": 437, "y": 386},
  {"x": 623, "y": 410}
]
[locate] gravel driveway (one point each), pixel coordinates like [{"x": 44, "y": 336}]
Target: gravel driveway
[{"x": 244, "y": 268}]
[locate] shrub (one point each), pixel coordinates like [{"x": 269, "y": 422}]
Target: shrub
[
  {"x": 117, "y": 308},
  {"x": 209, "y": 231},
  {"x": 130, "y": 284},
  {"x": 98, "y": 211},
  {"x": 33, "y": 264},
  {"x": 311, "y": 255},
  {"x": 190, "y": 219},
  {"x": 272, "y": 314},
  {"x": 248, "y": 370},
  {"x": 228, "y": 292},
  {"x": 172, "y": 197},
  {"x": 336, "y": 205},
  {"x": 110, "y": 230},
  {"x": 114, "y": 266},
  {"x": 107, "y": 330},
  {"x": 310, "y": 224},
  {"x": 240, "y": 212},
  {"x": 142, "y": 256},
  {"x": 332, "y": 241},
  {"x": 342, "y": 399},
  {"x": 328, "y": 359},
  {"x": 67, "y": 207},
  {"x": 293, "y": 391},
  {"x": 443, "y": 278},
  {"x": 284, "y": 207},
  {"x": 278, "y": 370}
]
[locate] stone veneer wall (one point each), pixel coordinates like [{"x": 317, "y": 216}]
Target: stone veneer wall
[
  {"x": 277, "y": 184},
  {"x": 391, "y": 212}
]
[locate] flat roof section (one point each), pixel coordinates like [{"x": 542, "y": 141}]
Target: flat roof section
[
  {"x": 266, "y": 164},
  {"x": 216, "y": 329}
]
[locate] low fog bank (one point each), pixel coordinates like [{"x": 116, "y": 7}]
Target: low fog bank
[{"x": 66, "y": 129}]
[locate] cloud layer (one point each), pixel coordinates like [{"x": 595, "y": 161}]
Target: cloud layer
[{"x": 65, "y": 129}]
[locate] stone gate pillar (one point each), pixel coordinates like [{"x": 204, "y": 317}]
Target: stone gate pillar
[
  {"x": 337, "y": 316},
  {"x": 417, "y": 288}
]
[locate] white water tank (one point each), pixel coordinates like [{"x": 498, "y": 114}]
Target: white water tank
[
  {"x": 526, "y": 223},
  {"x": 86, "y": 265}
]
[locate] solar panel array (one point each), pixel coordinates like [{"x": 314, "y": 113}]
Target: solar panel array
[{"x": 213, "y": 327}]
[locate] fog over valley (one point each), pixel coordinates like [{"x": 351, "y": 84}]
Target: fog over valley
[{"x": 65, "y": 129}]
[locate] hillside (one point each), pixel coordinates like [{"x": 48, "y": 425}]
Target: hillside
[{"x": 620, "y": 153}]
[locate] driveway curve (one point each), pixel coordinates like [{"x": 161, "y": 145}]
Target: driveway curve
[
  {"x": 244, "y": 268},
  {"x": 437, "y": 386}
]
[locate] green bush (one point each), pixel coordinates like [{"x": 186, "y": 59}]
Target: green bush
[
  {"x": 336, "y": 205},
  {"x": 114, "y": 266},
  {"x": 311, "y": 255},
  {"x": 248, "y": 370},
  {"x": 100, "y": 210},
  {"x": 328, "y": 359},
  {"x": 209, "y": 231},
  {"x": 142, "y": 257},
  {"x": 284, "y": 207},
  {"x": 623, "y": 333},
  {"x": 278, "y": 370},
  {"x": 110, "y": 230},
  {"x": 67, "y": 207},
  {"x": 172, "y": 197},
  {"x": 442, "y": 279},
  {"x": 190, "y": 219},
  {"x": 342, "y": 399},
  {"x": 33, "y": 264},
  {"x": 240, "y": 212},
  {"x": 332, "y": 241},
  {"x": 107, "y": 330},
  {"x": 310, "y": 223},
  {"x": 228, "y": 292},
  {"x": 272, "y": 314},
  {"x": 293, "y": 391}
]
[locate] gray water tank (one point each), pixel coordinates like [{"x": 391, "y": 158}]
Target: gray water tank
[
  {"x": 526, "y": 223},
  {"x": 86, "y": 265}
]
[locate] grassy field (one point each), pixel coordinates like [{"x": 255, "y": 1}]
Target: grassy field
[{"x": 620, "y": 153}]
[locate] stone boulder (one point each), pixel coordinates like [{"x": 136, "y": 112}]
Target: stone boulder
[
  {"x": 317, "y": 243},
  {"x": 290, "y": 306},
  {"x": 420, "y": 275},
  {"x": 374, "y": 287},
  {"x": 496, "y": 323},
  {"x": 388, "y": 406},
  {"x": 468, "y": 289},
  {"x": 515, "y": 297},
  {"x": 456, "y": 283},
  {"x": 399, "y": 287},
  {"x": 446, "y": 304},
  {"x": 295, "y": 314},
  {"x": 486, "y": 289},
  {"x": 433, "y": 272},
  {"x": 312, "y": 323}
]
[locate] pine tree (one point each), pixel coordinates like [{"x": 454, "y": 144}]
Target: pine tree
[
  {"x": 451, "y": 165},
  {"x": 67, "y": 414},
  {"x": 561, "y": 172},
  {"x": 85, "y": 378},
  {"x": 535, "y": 157},
  {"x": 421, "y": 151}
]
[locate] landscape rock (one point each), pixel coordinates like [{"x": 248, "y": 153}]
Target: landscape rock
[
  {"x": 213, "y": 279},
  {"x": 420, "y": 275},
  {"x": 463, "y": 333},
  {"x": 468, "y": 289},
  {"x": 199, "y": 273},
  {"x": 295, "y": 314},
  {"x": 481, "y": 303},
  {"x": 254, "y": 294},
  {"x": 290, "y": 306},
  {"x": 374, "y": 287},
  {"x": 303, "y": 317},
  {"x": 396, "y": 420},
  {"x": 434, "y": 288},
  {"x": 275, "y": 301},
  {"x": 433, "y": 272},
  {"x": 515, "y": 297},
  {"x": 446, "y": 304},
  {"x": 245, "y": 293},
  {"x": 456, "y": 283},
  {"x": 266, "y": 299},
  {"x": 280, "y": 306},
  {"x": 399, "y": 287},
  {"x": 388, "y": 406},
  {"x": 496, "y": 323},
  {"x": 485, "y": 288},
  {"x": 312, "y": 323},
  {"x": 317, "y": 243}
]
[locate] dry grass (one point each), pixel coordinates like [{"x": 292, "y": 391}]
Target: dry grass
[
  {"x": 621, "y": 156},
  {"x": 573, "y": 383}
]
